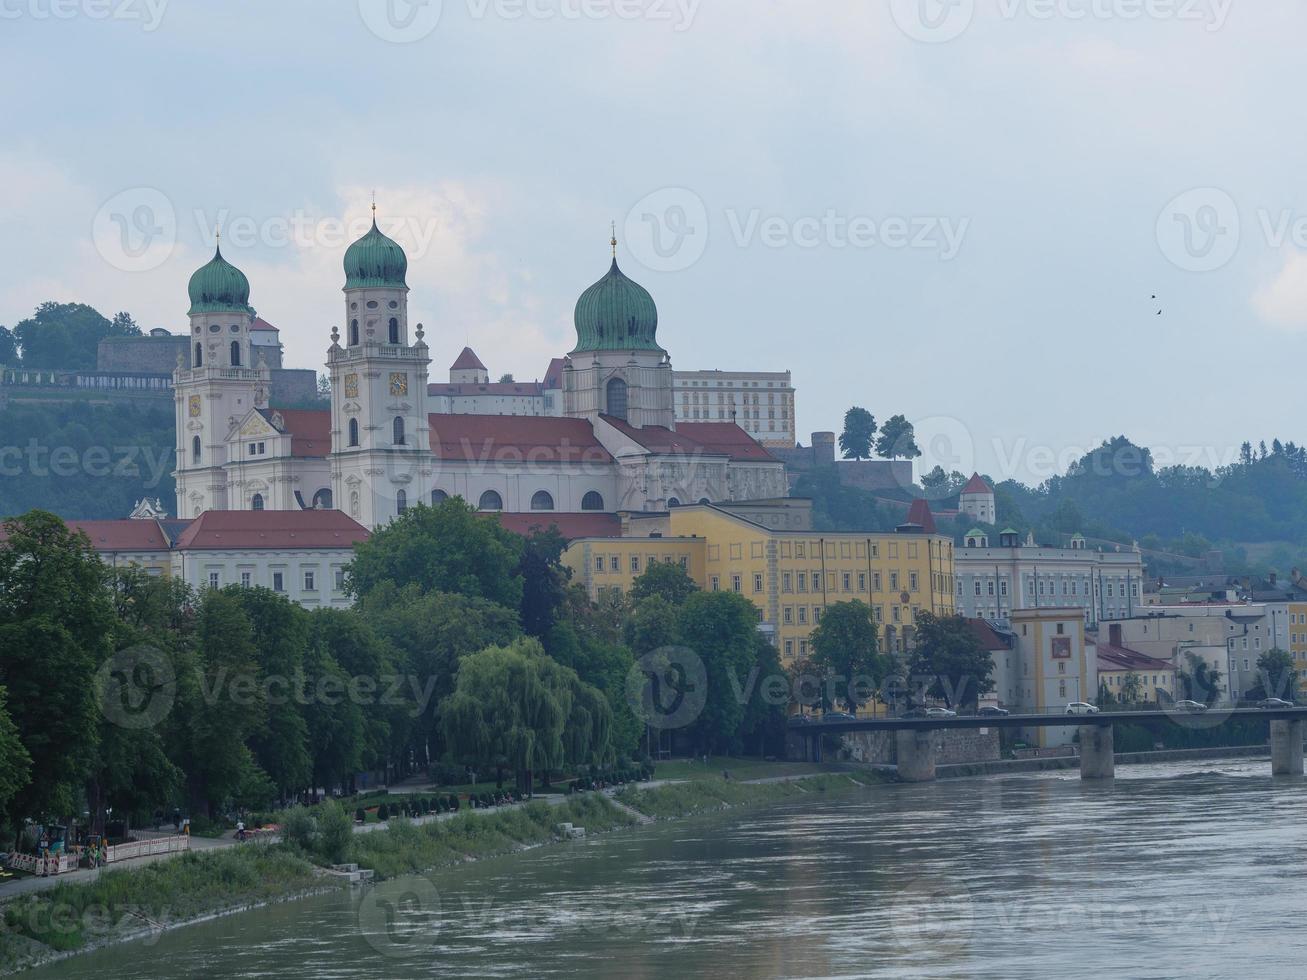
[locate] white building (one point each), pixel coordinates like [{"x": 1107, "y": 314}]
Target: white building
[
  {"x": 470, "y": 391},
  {"x": 382, "y": 446},
  {"x": 993, "y": 582},
  {"x": 976, "y": 500},
  {"x": 760, "y": 402},
  {"x": 1048, "y": 667}
]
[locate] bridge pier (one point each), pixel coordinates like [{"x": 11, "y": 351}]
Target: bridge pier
[
  {"x": 1097, "y": 752},
  {"x": 915, "y": 752},
  {"x": 1286, "y": 748}
]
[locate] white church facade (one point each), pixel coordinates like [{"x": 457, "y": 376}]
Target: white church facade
[{"x": 383, "y": 447}]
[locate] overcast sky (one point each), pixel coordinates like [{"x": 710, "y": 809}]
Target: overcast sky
[{"x": 956, "y": 211}]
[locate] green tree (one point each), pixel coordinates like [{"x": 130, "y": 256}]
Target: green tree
[
  {"x": 720, "y": 627},
  {"x": 1277, "y": 677},
  {"x": 668, "y": 580},
  {"x": 950, "y": 661},
  {"x": 897, "y": 439},
  {"x": 544, "y": 580},
  {"x": 859, "y": 431},
  {"x": 1132, "y": 689},
  {"x": 15, "y": 763},
  {"x": 66, "y": 335},
  {"x": 446, "y": 548},
  {"x": 335, "y": 726},
  {"x": 844, "y": 651},
  {"x": 8, "y": 348},
  {"x": 56, "y": 629}
]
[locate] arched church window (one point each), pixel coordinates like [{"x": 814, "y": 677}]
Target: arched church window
[
  {"x": 401, "y": 501},
  {"x": 616, "y": 400},
  {"x": 353, "y": 333},
  {"x": 704, "y": 500},
  {"x": 257, "y": 502},
  {"x": 195, "y": 449},
  {"x": 394, "y": 330},
  {"x": 490, "y": 500},
  {"x": 592, "y": 501},
  {"x": 199, "y": 355},
  {"x": 673, "y": 502},
  {"x": 438, "y": 497},
  {"x": 235, "y": 353},
  {"x": 353, "y": 432},
  {"x": 541, "y": 500},
  {"x": 398, "y": 426},
  {"x": 322, "y": 500}
]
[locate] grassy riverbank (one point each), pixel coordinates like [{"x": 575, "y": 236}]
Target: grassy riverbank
[{"x": 126, "y": 904}]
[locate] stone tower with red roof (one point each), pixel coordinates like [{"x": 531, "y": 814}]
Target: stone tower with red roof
[{"x": 977, "y": 500}]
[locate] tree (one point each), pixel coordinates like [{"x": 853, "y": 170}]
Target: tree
[
  {"x": 446, "y": 548},
  {"x": 1132, "y": 689},
  {"x": 15, "y": 763},
  {"x": 950, "y": 660},
  {"x": 8, "y": 348},
  {"x": 324, "y": 385},
  {"x": 667, "y": 580},
  {"x": 336, "y": 732},
  {"x": 1200, "y": 681},
  {"x": 122, "y": 325},
  {"x": 544, "y": 580},
  {"x": 63, "y": 335},
  {"x": 844, "y": 650},
  {"x": 1277, "y": 677},
  {"x": 859, "y": 430},
  {"x": 505, "y": 379},
  {"x": 897, "y": 439},
  {"x": 720, "y": 627}
]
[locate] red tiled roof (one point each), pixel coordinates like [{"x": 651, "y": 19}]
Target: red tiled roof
[
  {"x": 221, "y": 530},
  {"x": 728, "y": 438},
  {"x": 554, "y": 373},
  {"x": 122, "y": 535},
  {"x": 1111, "y": 657},
  {"x": 310, "y": 431},
  {"x": 977, "y": 484},
  {"x": 987, "y": 635},
  {"x": 262, "y": 324},
  {"x": 467, "y": 361},
  {"x": 660, "y": 439},
  {"x": 515, "y": 438},
  {"x": 919, "y": 513},
  {"x": 570, "y": 526}
]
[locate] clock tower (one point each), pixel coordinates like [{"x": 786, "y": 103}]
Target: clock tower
[{"x": 381, "y": 460}]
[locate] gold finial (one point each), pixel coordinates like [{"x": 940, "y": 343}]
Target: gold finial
[
  {"x": 614, "y": 241},
  {"x": 374, "y": 204}
]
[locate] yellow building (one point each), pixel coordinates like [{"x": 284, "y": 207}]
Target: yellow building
[
  {"x": 1298, "y": 637},
  {"x": 790, "y": 575}
]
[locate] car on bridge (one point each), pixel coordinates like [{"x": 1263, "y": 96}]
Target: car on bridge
[
  {"x": 838, "y": 716},
  {"x": 1081, "y": 708},
  {"x": 992, "y": 711},
  {"x": 1274, "y": 703},
  {"x": 1197, "y": 707},
  {"x": 941, "y": 713}
]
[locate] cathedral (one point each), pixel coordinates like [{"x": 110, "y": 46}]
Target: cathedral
[{"x": 380, "y": 449}]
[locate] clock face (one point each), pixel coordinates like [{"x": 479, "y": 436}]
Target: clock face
[
  {"x": 351, "y": 386},
  {"x": 194, "y": 406},
  {"x": 398, "y": 383}
]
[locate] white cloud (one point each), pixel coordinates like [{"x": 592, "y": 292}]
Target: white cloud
[{"x": 1282, "y": 302}]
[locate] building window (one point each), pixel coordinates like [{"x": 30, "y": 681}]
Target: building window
[
  {"x": 438, "y": 497},
  {"x": 257, "y": 502},
  {"x": 214, "y": 580},
  {"x": 875, "y": 581},
  {"x": 199, "y": 355},
  {"x": 803, "y": 615},
  {"x": 735, "y": 583},
  {"x": 592, "y": 501},
  {"x": 715, "y": 583},
  {"x": 616, "y": 399},
  {"x": 787, "y": 582},
  {"x": 847, "y": 581},
  {"x": 599, "y": 563},
  {"x": 490, "y": 500},
  {"x": 787, "y": 615},
  {"x": 322, "y": 500},
  {"x": 394, "y": 330},
  {"x": 195, "y": 449},
  {"x": 635, "y": 564},
  {"x": 353, "y": 432},
  {"x": 401, "y": 501},
  {"x": 541, "y": 500},
  {"x": 340, "y": 580},
  {"x": 398, "y": 427},
  {"x": 614, "y": 563},
  {"x": 310, "y": 582},
  {"x": 235, "y": 353},
  {"x": 245, "y": 580},
  {"x": 757, "y": 581},
  {"x": 278, "y": 582},
  {"x": 353, "y": 333},
  {"x": 894, "y": 582}
]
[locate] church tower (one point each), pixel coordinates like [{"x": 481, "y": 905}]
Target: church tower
[
  {"x": 381, "y": 452},
  {"x": 219, "y": 387},
  {"x": 617, "y": 368}
]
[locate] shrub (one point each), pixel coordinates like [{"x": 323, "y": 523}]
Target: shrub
[
  {"x": 361, "y": 815},
  {"x": 335, "y": 831},
  {"x": 383, "y": 813},
  {"x": 299, "y": 828}
]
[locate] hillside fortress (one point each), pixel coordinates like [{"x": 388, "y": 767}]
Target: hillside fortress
[{"x": 380, "y": 449}]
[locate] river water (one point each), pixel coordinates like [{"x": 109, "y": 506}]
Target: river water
[{"x": 1166, "y": 872}]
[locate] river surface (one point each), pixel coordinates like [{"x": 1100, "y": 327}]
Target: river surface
[{"x": 1164, "y": 873}]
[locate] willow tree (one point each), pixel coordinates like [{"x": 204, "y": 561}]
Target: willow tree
[{"x": 514, "y": 707}]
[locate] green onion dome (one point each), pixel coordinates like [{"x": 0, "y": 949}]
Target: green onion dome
[
  {"x": 616, "y": 313},
  {"x": 219, "y": 287},
  {"x": 375, "y": 261}
]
